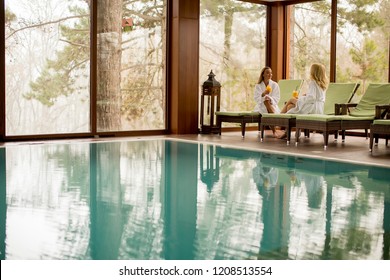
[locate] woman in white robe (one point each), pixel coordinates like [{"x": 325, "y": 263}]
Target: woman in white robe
[
  {"x": 267, "y": 93},
  {"x": 313, "y": 101}
]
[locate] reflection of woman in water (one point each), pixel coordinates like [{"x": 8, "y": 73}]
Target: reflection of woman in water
[
  {"x": 293, "y": 178},
  {"x": 274, "y": 213},
  {"x": 265, "y": 177},
  {"x": 314, "y": 184}
]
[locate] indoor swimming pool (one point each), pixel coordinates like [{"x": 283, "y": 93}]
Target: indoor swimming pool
[{"x": 165, "y": 199}]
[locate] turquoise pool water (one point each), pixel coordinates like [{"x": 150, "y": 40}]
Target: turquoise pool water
[{"x": 165, "y": 199}]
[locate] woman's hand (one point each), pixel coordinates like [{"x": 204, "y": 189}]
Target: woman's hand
[
  {"x": 269, "y": 99},
  {"x": 268, "y": 90}
]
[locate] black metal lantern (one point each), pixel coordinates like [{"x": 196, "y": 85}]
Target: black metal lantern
[{"x": 210, "y": 103}]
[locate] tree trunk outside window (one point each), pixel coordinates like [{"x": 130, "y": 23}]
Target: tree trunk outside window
[{"x": 109, "y": 40}]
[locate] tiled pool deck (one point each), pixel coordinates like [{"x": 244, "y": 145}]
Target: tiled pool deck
[{"x": 354, "y": 149}]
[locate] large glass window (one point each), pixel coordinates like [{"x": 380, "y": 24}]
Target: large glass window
[
  {"x": 48, "y": 66},
  {"x": 363, "y": 42},
  {"x": 309, "y": 38},
  {"x": 47, "y": 46},
  {"x": 232, "y": 44},
  {"x": 131, "y": 65}
]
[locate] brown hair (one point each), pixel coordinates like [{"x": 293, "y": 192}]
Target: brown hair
[{"x": 261, "y": 78}]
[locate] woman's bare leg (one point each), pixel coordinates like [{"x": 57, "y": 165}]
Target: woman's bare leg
[
  {"x": 270, "y": 109},
  {"x": 285, "y": 107},
  {"x": 290, "y": 104}
]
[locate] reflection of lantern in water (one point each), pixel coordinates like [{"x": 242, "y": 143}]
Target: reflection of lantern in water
[
  {"x": 209, "y": 166},
  {"x": 210, "y": 103}
]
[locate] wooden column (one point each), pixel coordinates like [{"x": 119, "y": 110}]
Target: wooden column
[
  {"x": 333, "y": 43},
  {"x": 183, "y": 67},
  {"x": 276, "y": 25}
]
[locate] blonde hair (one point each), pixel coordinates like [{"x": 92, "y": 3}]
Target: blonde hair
[
  {"x": 318, "y": 74},
  {"x": 261, "y": 78}
]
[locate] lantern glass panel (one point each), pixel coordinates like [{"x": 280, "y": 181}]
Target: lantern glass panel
[
  {"x": 207, "y": 110},
  {"x": 215, "y": 109}
]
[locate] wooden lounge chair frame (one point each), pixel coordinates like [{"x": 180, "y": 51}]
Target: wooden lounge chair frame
[
  {"x": 244, "y": 117},
  {"x": 341, "y": 121},
  {"x": 379, "y": 129},
  {"x": 288, "y": 121},
  {"x": 238, "y": 117}
]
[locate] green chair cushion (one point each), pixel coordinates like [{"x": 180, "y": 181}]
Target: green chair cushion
[
  {"x": 338, "y": 93},
  {"x": 237, "y": 114},
  {"x": 287, "y": 87},
  {"x": 352, "y": 118},
  {"x": 376, "y": 94},
  {"x": 280, "y": 116},
  {"x": 318, "y": 117},
  {"x": 382, "y": 122}
]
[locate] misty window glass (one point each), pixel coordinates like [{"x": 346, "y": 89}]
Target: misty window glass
[
  {"x": 309, "y": 37},
  {"x": 131, "y": 39},
  {"x": 362, "y": 53},
  {"x": 232, "y": 45},
  {"x": 47, "y": 50}
]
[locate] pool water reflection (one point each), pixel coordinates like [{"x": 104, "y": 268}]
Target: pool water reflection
[{"x": 163, "y": 199}]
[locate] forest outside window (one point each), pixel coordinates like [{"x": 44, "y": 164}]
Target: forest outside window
[
  {"x": 131, "y": 65},
  {"x": 47, "y": 50},
  {"x": 48, "y": 66},
  {"x": 363, "y": 45},
  {"x": 232, "y": 45}
]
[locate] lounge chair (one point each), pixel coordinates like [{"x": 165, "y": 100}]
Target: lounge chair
[
  {"x": 379, "y": 129},
  {"x": 335, "y": 94},
  {"x": 244, "y": 117},
  {"x": 360, "y": 117}
]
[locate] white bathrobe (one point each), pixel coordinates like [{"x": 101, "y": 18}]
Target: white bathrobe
[
  {"x": 312, "y": 102},
  {"x": 274, "y": 96}
]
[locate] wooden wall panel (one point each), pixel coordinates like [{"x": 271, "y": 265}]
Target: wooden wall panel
[
  {"x": 183, "y": 67},
  {"x": 276, "y": 41}
]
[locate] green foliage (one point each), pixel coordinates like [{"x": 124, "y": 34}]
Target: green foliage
[
  {"x": 145, "y": 13},
  {"x": 239, "y": 80},
  {"x": 240, "y": 87},
  {"x": 323, "y": 7},
  {"x": 355, "y": 18},
  {"x": 59, "y": 76},
  {"x": 343, "y": 76},
  {"x": 48, "y": 87},
  {"x": 370, "y": 60},
  {"x": 362, "y": 14},
  {"x": 9, "y": 16},
  {"x": 142, "y": 89}
]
